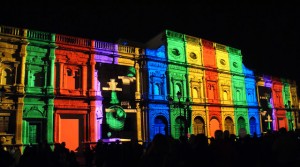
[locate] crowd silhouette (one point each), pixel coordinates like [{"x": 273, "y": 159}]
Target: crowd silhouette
[{"x": 273, "y": 149}]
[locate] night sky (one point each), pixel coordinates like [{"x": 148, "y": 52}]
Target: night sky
[{"x": 267, "y": 34}]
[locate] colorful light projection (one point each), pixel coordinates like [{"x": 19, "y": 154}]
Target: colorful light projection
[
  {"x": 157, "y": 91},
  {"x": 251, "y": 97},
  {"x": 265, "y": 95},
  {"x": 118, "y": 90}
]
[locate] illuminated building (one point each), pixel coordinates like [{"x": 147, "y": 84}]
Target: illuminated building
[{"x": 62, "y": 88}]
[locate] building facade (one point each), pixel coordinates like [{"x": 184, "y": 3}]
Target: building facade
[{"x": 58, "y": 88}]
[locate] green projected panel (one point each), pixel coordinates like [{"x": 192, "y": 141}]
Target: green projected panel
[{"x": 118, "y": 85}]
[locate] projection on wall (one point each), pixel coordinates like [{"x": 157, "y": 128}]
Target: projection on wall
[
  {"x": 118, "y": 85},
  {"x": 265, "y": 95}
]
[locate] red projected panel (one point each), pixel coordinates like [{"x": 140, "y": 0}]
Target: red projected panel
[{"x": 281, "y": 123}]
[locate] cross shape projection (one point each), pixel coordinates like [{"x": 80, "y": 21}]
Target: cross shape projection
[
  {"x": 112, "y": 86},
  {"x": 269, "y": 120}
]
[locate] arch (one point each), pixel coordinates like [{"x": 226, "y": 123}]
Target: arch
[
  {"x": 252, "y": 122},
  {"x": 228, "y": 125},
  {"x": 39, "y": 79},
  {"x": 160, "y": 125},
  {"x": 225, "y": 95},
  {"x": 179, "y": 126},
  {"x": 214, "y": 125},
  {"x": 211, "y": 92},
  {"x": 78, "y": 79},
  {"x": 69, "y": 72},
  {"x": 177, "y": 88},
  {"x": 7, "y": 77},
  {"x": 241, "y": 123},
  {"x": 238, "y": 95},
  {"x": 199, "y": 125},
  {"x": 156, "y": 89},
  {"x": 33, "y": 113},
  {"x": 195, "y": 93}
]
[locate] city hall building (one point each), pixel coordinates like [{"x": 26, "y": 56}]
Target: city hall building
[{"x": 58, "y": 88}]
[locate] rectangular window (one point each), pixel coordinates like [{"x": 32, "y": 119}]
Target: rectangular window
[{"x": 4, "y": 121}]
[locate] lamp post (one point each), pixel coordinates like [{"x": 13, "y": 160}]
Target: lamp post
[
  {"x": 290, "y": 109},
  {"x": 183, "y": 129}
]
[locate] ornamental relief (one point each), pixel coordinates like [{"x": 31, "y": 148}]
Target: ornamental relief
[
  {"x": 31, "y": 48},
  {"x": 293, "y": 90},
  {"x": 157, "y": 64},
  {"x": 126, "y": 62},
  {"x": 195, "y": 79},
  {"x": 192, "y": 40},
  {"x": 225, "y": 83},
  {"x": 157, "y": 74},
  {"x": 72, "y": 57},
  {"x": 155, "y": 113},
  {"x": 198, "y": 108},
  {"x": 7, "y": 106},
  {"x": 33, "y": 112},
  {"x": 8, "y": 47},
  {"x": 199, "y": 114},
  {"x": 238, "y": 85},
  {"x": 224, "y": 76},
  {"x": 35, "y": 59},
  {"x": 176, "y": 67},
  {"x": 211, "y": 74},
  {"x": 35, "y": 68},
  {"x": 158, "y": 106},
  {"x": 196, "y": 71},
  {"x": 104, "y": 59},
  {"x": 7, "y": 57},
  {"x": 177, "y": 76},
  {"x": 226, "y": 114},
  {"x": 71, "y": 67},
  {"x": 220, "y": 47}
]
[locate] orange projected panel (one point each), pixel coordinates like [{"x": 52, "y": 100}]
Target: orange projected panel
[
  {"x": 69, "y": 133},
  {"x": 214, "y": 125}
]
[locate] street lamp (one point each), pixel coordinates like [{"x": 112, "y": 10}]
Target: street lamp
[
  {"x": 290, "y": 109},
  {"x": 183, "y": 129}
]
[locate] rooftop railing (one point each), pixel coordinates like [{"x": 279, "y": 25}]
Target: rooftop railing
[
  {"x": 63, "y": 39},
  {"x": 11, "y": 31},
  {"x": 106, "y": 46},
  {"x": 38, "y": 35}
]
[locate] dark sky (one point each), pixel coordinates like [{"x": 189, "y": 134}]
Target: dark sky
[{"x": 267, "y": 34}]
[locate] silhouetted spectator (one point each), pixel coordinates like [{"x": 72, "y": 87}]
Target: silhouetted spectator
[
  {"x": 157, "y": 152},
  {"x": 285, "y": 149},
  {"x": 6, "y": 160}
]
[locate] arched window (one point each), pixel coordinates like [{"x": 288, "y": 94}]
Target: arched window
[
  {"x": 78, "y": 79},
  {"x": 39, "y": 79},
  {"x": 252, "y": 125},
  {"x": 241, "y": 123},
  {"x": 225, "y": 95},
  {"x": 238, "y": 95},
  {"x": 211, "y": 92},
  {"x": 179, "y": 126},
  {"x": 229, "y": 125},
  {"x": 160, "y": 125},
  {"x": 199, "y": 126},
  {"x": 69, "y": 72},
  {"x": 195, "y": 93},
  {"x": 7, "y": 77},
  {"x": 214, "y": 125},
  {"x": 156, "y": 89},
  {"x": 177, "y": 88}
]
